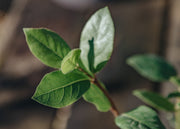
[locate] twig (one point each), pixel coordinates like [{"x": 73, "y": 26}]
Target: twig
[
  {"x": 95, "y": 81},
  {"x": 113, "y": 107}
]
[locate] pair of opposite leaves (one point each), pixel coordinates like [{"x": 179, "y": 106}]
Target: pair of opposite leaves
[{"x": 63, "y": 87}]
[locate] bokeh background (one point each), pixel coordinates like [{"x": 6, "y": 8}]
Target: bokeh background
[{"x": 141, "y": 26}]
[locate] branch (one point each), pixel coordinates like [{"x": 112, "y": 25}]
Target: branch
[
  {"x": 113, "y": 109},
  {"x": 95, "y": 81}
]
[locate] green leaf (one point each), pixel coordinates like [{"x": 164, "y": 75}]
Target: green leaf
[
  {"x": 139, "y": 118},
  {"x": 95, "y": 96},
  {"x": 173, "y": 95},
  {"x": 154, "y": 99},
  {"x": 97, "y": 40},
  {"x": 70, "y": 61},
  {"x": 47, "y": 46},
  {"x": 152, "y": 67},
  {"x": 58, "y": 90},
  {"x": 81, "y": 65},
  {"x": 175, "y": 80}
]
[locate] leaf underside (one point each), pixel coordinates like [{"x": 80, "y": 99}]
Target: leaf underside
[
  {"x": 96, "y": 41},
  {"x": 152, "y": 67},
  {"x": 139, "y": 118},
  {"x": 154, "y": 99}
]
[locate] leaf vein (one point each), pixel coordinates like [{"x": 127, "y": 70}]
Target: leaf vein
[
  {"x": 133, "y": 118},
  {"x": 47, "y": 47},
  {"x": 63, "y": 86}
]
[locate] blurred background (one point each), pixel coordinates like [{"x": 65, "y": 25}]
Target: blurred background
[{"x": 141, "y": 26}]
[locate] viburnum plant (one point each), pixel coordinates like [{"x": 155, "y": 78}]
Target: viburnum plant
[{"x": 75, "y": 74}]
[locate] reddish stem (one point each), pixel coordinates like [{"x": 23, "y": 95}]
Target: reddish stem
[
  {"x": 113, "y": 107},
  {"x": 95, "y": 81}
]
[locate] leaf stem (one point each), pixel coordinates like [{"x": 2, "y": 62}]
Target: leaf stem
[
  {"x": 82, "y": 70},
  {"x": 95, "y": 81},
  {"x": 113, "y": 109}
]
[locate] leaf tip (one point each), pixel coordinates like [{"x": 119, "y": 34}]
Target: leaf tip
[
  {"x": 135, "y": 92},
  {"x": 130, "y": 60},
  {"x": 106, "y": 8},
  {"x": 33, "y": 98},
  {"x": 25, "y": 30}
]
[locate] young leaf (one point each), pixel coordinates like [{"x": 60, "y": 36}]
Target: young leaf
[
  {"x": 152, "y": 67},
  {"x": 47, "y": 46},
  {"x": 173, "y": 95},
  {"x": 139, "y": 118},
  {"x": 58, "y": 90},
  {"x": 95, "y": 96},
  {"x": 154, "y": 99},
  {"x": 70, "y": 61},
  {"x": 97, "y": 40},
  {"x": 81, "y": 65}
]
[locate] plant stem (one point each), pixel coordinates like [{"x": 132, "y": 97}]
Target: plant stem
[
  {"x": 82, "y": 70},
  {"x": 95, "y": 81},
  {"x": 113, "y": 107}
]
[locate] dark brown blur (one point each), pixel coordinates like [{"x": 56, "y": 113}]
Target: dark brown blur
[{"x": 141, "y": 26}]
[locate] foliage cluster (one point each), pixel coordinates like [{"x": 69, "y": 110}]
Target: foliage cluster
[{"x": 75, "y": 74}]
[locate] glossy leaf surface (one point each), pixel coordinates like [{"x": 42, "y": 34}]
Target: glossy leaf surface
[
  {"x": 97, "y": 40},
  {"x": 70, "y": 61},
  {"x": 58, "y": 90},
  {"x": 154, "y": 99},
  {"x": 140, "y": 118},
  {"x": 47, "y": 46},
  {"x": 95, "y": 96},
  {"x": 152, "y": 67}
]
